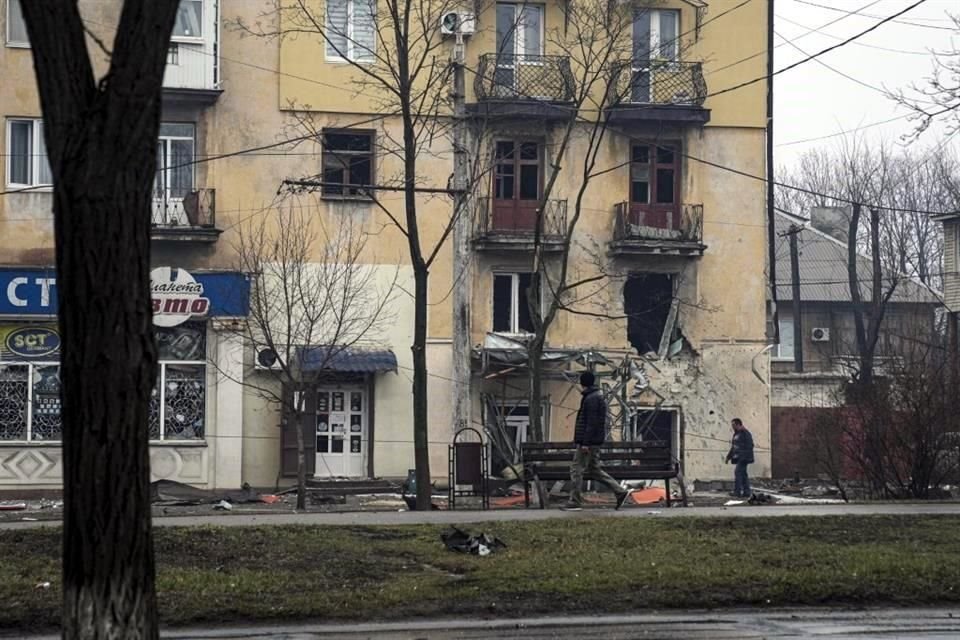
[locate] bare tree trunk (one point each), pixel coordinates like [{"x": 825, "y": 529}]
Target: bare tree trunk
[
  {"x": 101, "y": 140},
  {"x": 298, "y": 417},
  {"x": 535, "y": 366},
  {"x": 421, "y": 444},
  {"x": 866, "y": 361}
]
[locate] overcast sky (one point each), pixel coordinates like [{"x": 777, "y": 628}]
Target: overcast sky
[{"x": 813, "y": 101}]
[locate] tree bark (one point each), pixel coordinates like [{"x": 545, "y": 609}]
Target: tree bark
[
  {"x": 421, "y": 443},
  {"x": 865, "y": 376},
  {"x": 298, "y": 414},
  {"x": 534, "y": 364},
  {"x": 101, "y": 143}
]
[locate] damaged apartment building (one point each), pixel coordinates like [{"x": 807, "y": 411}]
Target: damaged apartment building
[
  {"x": 673, "y": 321},
  {"x": 672, "y": 219}
]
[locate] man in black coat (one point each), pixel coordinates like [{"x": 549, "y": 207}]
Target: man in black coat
[
  {"x": 590, "y": 433},
  {"x": 741, "y": 454}
]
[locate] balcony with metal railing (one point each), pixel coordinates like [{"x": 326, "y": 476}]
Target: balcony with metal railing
[
  {"x": 658, "y": 90},
  {"x": 184, "y": 217},
  {"x": 642, "y": 229},
  {"x": 510, "y": 225},
  {"x": 523, "y": 86}
]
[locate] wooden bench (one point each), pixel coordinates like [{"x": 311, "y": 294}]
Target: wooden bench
[{"x": 635, "y": 460}]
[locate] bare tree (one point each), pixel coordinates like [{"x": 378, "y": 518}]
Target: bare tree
[
  {"x": 905, "y": 182},
  {"x": 939, "y": 99},
  {"x": 313, "y": 298},
  {"x": 402, "y": 60},
  {"x": 101, "y": 139}
]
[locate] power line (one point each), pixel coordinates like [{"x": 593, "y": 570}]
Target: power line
[
  {"x": 859, "y": 44},
  {"x": 802, "y": 35},
  {"x": 844, "y": 132},
  {"x": 821, "y": 52},
  {"x": 856, "y": 12}
]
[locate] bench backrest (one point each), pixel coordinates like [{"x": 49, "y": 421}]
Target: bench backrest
[{"x": 653, "y": 453}]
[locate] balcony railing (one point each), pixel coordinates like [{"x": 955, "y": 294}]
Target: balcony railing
[
  {"x": 650, "y": 223},
  {"x": 519, "y": 78},
  {"x": 191, "y": 210},
  {"x": 658, "y": 82},
  {"x": 514, "y": 221}
]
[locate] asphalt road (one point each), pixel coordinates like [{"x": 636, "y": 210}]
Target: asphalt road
[
  {"x": 368, "y": 518},
  {"x": 879, "y": 624}
]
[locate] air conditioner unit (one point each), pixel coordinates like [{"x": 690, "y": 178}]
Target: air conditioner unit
[
  {"x": 820, "y": 334},
  {"x": 266, "y": 360},
  {"x": 454, "y": 22}
]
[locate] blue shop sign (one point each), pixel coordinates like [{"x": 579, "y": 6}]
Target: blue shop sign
[{"x": 26, "y": 292}]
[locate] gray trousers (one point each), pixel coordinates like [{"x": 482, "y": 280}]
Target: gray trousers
[{"x": 586, "y": 465}]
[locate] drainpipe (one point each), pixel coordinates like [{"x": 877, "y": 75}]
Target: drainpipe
[{"x": 771, "y": 213}]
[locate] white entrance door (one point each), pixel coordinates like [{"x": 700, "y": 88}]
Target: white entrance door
[{"x": 341, "y": 432}]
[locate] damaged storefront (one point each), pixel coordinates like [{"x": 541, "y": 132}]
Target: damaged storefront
[{"x": 193, "y": 408}]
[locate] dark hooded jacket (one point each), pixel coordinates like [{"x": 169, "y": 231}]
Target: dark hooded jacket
[
  {"x": 591, "y": 429},
  {"x": 741, "y": 447}
]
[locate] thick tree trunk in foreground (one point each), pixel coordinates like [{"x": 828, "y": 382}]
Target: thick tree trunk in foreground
[{"x": 101, "y": 142}]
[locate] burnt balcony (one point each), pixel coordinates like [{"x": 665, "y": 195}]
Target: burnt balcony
[
  {"x": 188, "y": 216},
  {"x": 644, "y": 229},
  {"x": 510, "y": 225},
  {"x": 510, "y": 85},
  {"x": 658, "y": 91}
]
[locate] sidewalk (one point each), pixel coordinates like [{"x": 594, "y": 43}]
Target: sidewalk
[
  {"x": 394, "y": 518},
  {"x": 751, "y": 624}
]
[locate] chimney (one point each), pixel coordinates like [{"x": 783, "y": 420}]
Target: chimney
[{"x": 834, "y": 221}]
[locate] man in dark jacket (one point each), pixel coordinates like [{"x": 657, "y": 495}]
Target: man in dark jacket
[
  {"x": 741, "y": 454},
  {"x": 590, "y": 433}
]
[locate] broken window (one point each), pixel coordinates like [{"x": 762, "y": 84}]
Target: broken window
[
  {"x": 511, "y": 313},
  {"x": 654, "y": 424},
  {"x": 648, "y": 305},
  {"x": 347, "y": 163}
]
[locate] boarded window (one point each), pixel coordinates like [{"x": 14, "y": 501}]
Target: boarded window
[{"x": 647, "y": 298}]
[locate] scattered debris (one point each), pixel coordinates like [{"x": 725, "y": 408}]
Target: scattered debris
[
  {"x": 653, "y": 513},
  {"x": 42, "y": 585},
  {"x": 412, "y": 503},
  {"x": 653, "y": 495},
  {"x": 326, "y": 499},
  {"x": 25, "y": 519},
  {"x": 463, "y": 542},
  {"x": 270, "y": 499},
  {"x": 734, "y": 503},
  {"x": 13, "y": 506},
  {"x": 223, "y": 505}
]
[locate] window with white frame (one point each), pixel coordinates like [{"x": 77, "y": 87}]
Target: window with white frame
[
  {"x": 655, "y": 34},
  {"x": 178, "y": 401},
  {"x": 784, "y": 350},
  {"x": 30, "y": 402},
  {"x": 189, "y": 22},
  {"x": 175, "y": 157},
  {"x": 16, "y": 26},
  {"x": 511, "y": 311},
  {"x": 351, "y": 30},
  {"x": 27, "y": 163},
  {"x": 519, "y": 29}
]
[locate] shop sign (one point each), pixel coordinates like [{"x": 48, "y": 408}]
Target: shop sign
[
  {"x": 32, "y": 291},
  {"x": 176, "y": 297},
  {"x": 29, "y": 342}
]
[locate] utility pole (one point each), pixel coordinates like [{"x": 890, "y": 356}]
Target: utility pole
[
  {"x": 461, "y": 244},
  {"x": 794, "y": 234}
]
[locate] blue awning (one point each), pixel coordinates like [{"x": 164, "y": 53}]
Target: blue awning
[{"x": 347, "y": 359}]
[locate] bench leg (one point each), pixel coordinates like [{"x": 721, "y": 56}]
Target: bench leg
[
  {"x": 540, "y": 497},
  {"x": 526, "y": 492},
  {"x": 667, "y": 483},
  {"x": 683, "y": 489}
]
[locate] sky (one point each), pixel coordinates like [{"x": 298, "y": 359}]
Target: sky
[{"x": 812, "y": 100}]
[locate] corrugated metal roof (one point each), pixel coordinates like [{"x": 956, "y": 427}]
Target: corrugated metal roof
[
  {"x": 348, "y": 360},
  {"x": 823, "y": 270}
]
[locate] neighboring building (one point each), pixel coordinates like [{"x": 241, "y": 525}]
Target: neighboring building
[
  {"x": 829, "y": 347},
  {"x": 689, "y": 236},
  {"x": 951, "y": 262}
]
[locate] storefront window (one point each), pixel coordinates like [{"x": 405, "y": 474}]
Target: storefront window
[
  {"x": 30, "y": 384},
  {"x": 177, "y": 406}
]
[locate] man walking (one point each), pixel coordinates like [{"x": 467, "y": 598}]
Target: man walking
[
  {"x": 741, "y": 454},
  {"x": 590, "y": 433}
]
